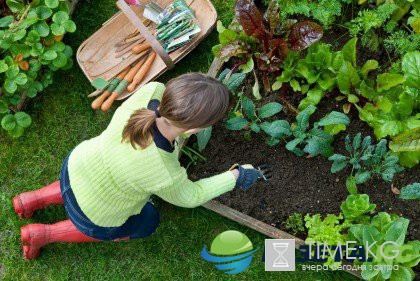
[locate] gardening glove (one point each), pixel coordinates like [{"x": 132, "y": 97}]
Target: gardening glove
[{"x": 248, "y": 175}]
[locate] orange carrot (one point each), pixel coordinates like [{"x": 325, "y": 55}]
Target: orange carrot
[
  {"x": 128, "y": 78},
  {"x": 96, "y": 104},
  {"x": 142, "y": 72}
]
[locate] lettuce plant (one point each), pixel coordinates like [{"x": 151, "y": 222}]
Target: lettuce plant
[
  {"x": 393, "y": 109},
  {"x": 387, "y": 228},
  {"x": 397, "y": 99},
  {"x": 407, "y": 146},
  {"x": 365, "y": 160},
  {"x": 322, "y": 70},
  {"x": 329, "y": 230},
  {"x": 361, "y": 226},
  {"x": 356, "y": 206}
]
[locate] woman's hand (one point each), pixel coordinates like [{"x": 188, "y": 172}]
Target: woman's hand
[{"x": 247, "y": 175}]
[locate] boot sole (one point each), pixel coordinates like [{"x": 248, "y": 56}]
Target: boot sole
[
  {"x": 19, "y": 209},
  {"x": 25, "y": 237}
]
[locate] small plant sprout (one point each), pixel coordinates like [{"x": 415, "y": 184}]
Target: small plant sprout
[{"x": 294, "y": 223}]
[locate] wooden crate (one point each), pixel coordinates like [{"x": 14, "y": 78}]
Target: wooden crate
[{"x": 96, "y": 55}]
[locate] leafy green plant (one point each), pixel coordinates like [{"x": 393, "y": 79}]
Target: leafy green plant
[
  {"x": 394, "y": 108},
  {"x": 294, "y": 223},
  {"x": 313, "y": 75},
  {"x": 315, "y": 140},
  {"x": 391, "y": 229},
  {"x": 401, "y": 42},
  {"x": 366, "y": 160},
  {"x": 410, "y": 192},
  {"x": 368, "y": 20},
  {"x": 322, "y": 70},
  {"x": 250, "y": 118},
  {"x": 273, "y": 37},
  {"x": 329, "y": 230},
  {"x": 356, "y": 207},
  {"x": 232, "y": 80},
  {"x": 407, "y": 146},
  {"x": 30, "y": 50},
  {"x": 358, "y": 224}
]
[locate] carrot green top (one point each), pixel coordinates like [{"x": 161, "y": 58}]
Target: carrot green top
[{"x": 113, "y": 181}]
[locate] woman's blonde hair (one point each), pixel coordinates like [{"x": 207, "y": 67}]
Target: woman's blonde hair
[{"x": 190, "y": 101}]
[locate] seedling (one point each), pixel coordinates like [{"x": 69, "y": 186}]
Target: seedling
[{"x": 294, "y": 223}]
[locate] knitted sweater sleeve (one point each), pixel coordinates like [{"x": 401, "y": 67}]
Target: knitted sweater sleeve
[{"x": 188, "y": 194}]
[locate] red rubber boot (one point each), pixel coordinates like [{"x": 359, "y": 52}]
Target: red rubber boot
[
  {"x": 26, "y": 203},
  {"x": 35, "y": 236}
]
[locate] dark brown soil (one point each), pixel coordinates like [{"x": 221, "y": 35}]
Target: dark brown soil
[
  {"x": 302, "y": 185},
  {"x": 299, "y": 184}
]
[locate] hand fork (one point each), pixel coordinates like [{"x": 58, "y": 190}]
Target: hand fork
[{"x": 266, "y": 171}]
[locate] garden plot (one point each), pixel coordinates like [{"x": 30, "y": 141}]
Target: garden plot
[{"x": 333, "y": 105}]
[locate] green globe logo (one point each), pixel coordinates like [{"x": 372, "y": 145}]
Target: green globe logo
[{"x": 231, "y": 251}]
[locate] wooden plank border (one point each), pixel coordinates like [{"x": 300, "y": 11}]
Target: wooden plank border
[{"x": 242, "y": 218}]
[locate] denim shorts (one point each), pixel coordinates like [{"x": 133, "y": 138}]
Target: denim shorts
[{"x": 136, "y": 226}]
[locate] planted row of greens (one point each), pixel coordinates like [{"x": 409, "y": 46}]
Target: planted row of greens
[{"x": 31, "y": 49}]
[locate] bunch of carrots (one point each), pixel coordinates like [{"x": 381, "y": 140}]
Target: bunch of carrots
[{"x": 128, "y": 79}]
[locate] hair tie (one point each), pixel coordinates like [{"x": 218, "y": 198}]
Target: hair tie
[{"x": 157, "y": 113}]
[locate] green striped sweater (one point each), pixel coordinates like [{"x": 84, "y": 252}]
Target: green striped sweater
[{"x": 113, "y": 181}]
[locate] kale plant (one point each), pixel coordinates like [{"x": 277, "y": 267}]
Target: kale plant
[
  {"x": 410, "y": 192},
  {"x": 366, "y": 160}
]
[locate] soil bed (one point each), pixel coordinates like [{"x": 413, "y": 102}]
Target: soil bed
[{"x": 299, "y": 184}]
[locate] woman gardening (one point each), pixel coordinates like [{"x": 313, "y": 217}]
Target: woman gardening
[{"x": 106, "y": 182}]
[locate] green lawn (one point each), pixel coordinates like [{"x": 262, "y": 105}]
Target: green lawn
[{"x": 62, "y": 118}]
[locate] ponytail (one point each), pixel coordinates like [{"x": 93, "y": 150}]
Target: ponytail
[
  {"x": 138, "y": 128},
  {"x": 190, "y": 101}
]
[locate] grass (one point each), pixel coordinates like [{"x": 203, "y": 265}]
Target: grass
[{"x": 62, "y": 118}]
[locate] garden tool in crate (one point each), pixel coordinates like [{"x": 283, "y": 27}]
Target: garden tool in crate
[{"x": 143, "y": 40}]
